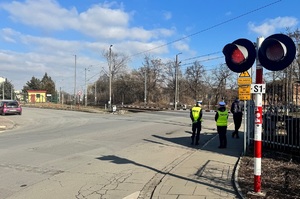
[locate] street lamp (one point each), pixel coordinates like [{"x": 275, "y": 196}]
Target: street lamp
[
  {"x": 110, "y": 70},
  {"x": 176, "y": 99}
]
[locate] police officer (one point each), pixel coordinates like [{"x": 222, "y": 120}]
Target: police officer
[
  {"x": 196, "y": 117},
  {"x": 221, "y": 119}
]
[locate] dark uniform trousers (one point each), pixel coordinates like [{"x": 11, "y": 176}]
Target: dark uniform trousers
[
  {"x": 222, "y": 136},
  {"x": 196, "y": 128}
]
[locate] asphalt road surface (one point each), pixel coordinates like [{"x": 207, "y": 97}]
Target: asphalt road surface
[{"x": 68, "y": 154}]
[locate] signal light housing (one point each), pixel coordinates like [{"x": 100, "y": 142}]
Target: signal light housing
[
  {"x": 277, "y": 52},
  {"x": 239, "y": 55}
]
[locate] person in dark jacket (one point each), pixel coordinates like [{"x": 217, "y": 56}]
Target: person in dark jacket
[
  {"x": 196, "y": 117},
  {"x": 221, "y": 119},
  {"x": 237, "y": 111}
]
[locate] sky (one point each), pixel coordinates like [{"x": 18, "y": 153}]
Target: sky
[{"x": 58, "y": 36}]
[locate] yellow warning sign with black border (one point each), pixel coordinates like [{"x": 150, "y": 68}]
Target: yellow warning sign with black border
[
  {"x": 244, "y": 92},
  {"x": 244, "y": 82},
  {"x": 245, "y": 74},
  {"x": 244, "y": 78}
]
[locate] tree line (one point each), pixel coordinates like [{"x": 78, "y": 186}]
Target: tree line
[{"x": 155, "y": 82}]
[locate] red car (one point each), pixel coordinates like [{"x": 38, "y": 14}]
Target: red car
[{"x": 10, "y": 107}]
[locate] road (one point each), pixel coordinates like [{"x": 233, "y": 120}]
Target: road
[{"x": 68, "y": 154}]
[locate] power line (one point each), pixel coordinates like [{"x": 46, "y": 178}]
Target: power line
[
  {"x": 201, "y": 56},
  {"x": 208, "y": 59},
  {"x": 209, "y": 28}
]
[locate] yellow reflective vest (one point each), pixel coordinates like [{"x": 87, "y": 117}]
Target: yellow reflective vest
[
  {"x": 196, "y": 113},
  {"x": 222, "y": 118}
]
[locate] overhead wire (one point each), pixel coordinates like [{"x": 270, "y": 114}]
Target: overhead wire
[{"x": 206, "y": 29}]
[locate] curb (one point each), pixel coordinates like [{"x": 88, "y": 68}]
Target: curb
[{"x": 235, "y": 178}]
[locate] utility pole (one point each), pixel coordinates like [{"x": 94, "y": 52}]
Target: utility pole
[
  {"x": 110, "y": 76},
  {"x": 145, "y": 98},
  {"x": 95, "y": 93},
  {"x": 85, "y": 93},
  {"x": 176, "y": 99},
  {"x": 75, "y": 82}
]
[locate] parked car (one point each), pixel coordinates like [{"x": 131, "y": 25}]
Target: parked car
[
  {"x": 184, "y": 106},
  {"x": 10, "y": 107}
]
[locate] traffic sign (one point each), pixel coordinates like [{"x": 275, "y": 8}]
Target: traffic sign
[
  {"x": 245, "y": 74},
  {"x": 244, "y": 81},
  {"x": 258, "y": 88},
  {"x": 244, "y": 92}
]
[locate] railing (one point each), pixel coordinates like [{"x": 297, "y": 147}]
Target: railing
[{"x": 280, "y": 128}]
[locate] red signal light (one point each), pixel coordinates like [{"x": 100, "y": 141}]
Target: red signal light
[
  {"x": 237, "y": 56},
  {"x": 277, "y": 52}
]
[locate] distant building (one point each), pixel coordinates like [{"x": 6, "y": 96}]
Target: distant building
[{"x": 36, "y": 96}]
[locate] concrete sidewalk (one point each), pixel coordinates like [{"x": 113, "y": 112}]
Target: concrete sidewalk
[{"x": 207, "y": 173}]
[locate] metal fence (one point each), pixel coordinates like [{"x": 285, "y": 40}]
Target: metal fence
[{"x": 281, "y": 121}]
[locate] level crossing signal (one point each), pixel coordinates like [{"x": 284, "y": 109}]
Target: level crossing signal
[
  {"x": 239, "y": 55},
  {"x": 275, "y": 53}
]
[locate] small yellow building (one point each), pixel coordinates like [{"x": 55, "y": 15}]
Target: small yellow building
[{"x": 37, "y": 96}]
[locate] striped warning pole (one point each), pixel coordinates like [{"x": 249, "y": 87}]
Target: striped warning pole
[
  {"x": 257, "y": 142},
  {"x": 258, "y": 125}
]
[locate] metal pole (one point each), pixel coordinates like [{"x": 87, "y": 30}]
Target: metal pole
[
  {"x": 245, "y": 126},
  {"x": 95, "y": 93},
  {"x": 75, "y": 82},
  {"x": 176, "y": 79},
  {"x": 85, "y": 93},
  {"x": 258, "y": 124},
  {"x": 60, "y": 97},
  {"x": 176, "y": 82},
  {"x": 145, "y": 98},
  {"x": 110, "y": 76}
]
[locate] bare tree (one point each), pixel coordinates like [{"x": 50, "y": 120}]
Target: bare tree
[
  {"x": 154, "y": 71},
  {"x": 195, "y": 79},
  {"x": 118, "y": 62},
  {"x": 128, "y": 88},
  {"x": 222, "y": 80}
]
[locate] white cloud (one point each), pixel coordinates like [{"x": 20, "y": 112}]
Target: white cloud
[
  {"x": 101, "y": 21},
  {"x": 102, "y": 24},
  {"x": 181, "y": 46},
  {"x": 270, "y": 26},
  {"x": 46, "y": 14},
  {"x": 8, "y": 35}
]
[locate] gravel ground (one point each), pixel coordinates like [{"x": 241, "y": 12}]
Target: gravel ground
[{"x": 280, "y": 177}]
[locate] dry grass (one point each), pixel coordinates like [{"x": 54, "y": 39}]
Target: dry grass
[{"x": 280, "y": 177}]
